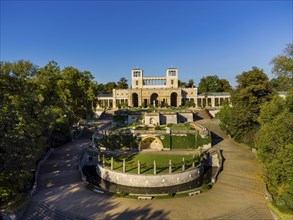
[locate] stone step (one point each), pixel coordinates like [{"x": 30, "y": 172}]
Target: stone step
[
  {"x": 59, "y": 166},
  {"x": 64, "y": 156},
  {"x": 40, "y": 211},
  {"x": 54, "y": 179},
  {"x": 250, "y": 212}
]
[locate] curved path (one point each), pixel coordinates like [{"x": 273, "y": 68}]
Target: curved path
[{"x": 238, "y": 193}]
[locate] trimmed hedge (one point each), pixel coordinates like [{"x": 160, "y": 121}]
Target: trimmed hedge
[
  {"x": 115, "y": 141},
  {"x": 190, "y": 141},
  {"x": 166, "y": 141},
  {"x": 187, "y": 141}
]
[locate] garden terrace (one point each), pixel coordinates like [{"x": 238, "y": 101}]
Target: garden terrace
[{"x": 147, "y": 162}]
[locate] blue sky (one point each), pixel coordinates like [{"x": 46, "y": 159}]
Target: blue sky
[{"x": 109, "y": 38}]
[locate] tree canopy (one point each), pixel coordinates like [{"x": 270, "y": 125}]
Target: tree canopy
[
  {"x": 283, "y": 69},
  {"x": 38, "y": 107},
  {"x": 253, "y": 89},
  {"x": 213, "y": 84},
  {"x": 188, "y": 84},
  {"x": 274, "y": 142}
]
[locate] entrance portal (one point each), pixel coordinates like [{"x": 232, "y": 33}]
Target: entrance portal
[
  {"x": 154, "y": 99},
  {"x": 134, "y": 99},
  {"x": 151, "y": 143},
  {"x": 174, "y": 99}
]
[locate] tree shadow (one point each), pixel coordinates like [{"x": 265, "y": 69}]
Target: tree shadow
[
  {"x": 65, "y": 203},
  {"x": 142, "y": 213}
]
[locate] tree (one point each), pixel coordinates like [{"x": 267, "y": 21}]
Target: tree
[
  {"x": 108, "y": 87},
  {"x": 21, "y": 131},
  {"x": 181, "y": 84},
  {"x": 38, "y": 106},
  {"x": 283, "y": 69},
  {"x": 225, "y": 117},
  {"x": 77, "y": 91},
  {"x": 122, "y": 83},
  {"x": 226, "y": 87},
  {"x": 275, "y": 149},
  {"x": 253, "y": 89},
  {"x": 213, "y": 84},
  {"x": 190, "y": 83}
]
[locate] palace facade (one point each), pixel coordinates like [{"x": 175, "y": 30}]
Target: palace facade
[{"x": 159, "y": 91}]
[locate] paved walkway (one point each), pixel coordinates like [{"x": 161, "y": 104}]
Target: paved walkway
[{"x": 238, "y": 194}]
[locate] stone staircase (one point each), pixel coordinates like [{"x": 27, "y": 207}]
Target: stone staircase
[
  {"x": 250, "y": 212},
  {"x": 43, "y": 211},
  {"x": 59, "y": 169}
]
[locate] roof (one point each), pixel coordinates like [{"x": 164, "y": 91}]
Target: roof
[
  {"x": 215, "y": 94},
  {"x": 105, "y": 95}
]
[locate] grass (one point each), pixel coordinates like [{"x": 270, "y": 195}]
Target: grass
[
  {"x": 179, "y": 127},
  {"x": 147, "y": 161},
  {"x": 280, "y": 214}
]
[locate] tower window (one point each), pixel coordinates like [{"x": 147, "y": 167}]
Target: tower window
[
  {"x": 136, "y": 82},
  {"x": 172, "y": 73},
  {"x": 136, "y": 74},
  {"x": 172, "y": 82}
]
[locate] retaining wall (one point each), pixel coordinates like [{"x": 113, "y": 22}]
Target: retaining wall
[{"x": 142, "y": 180}]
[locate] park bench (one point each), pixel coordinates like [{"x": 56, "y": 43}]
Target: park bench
[
  {"x": 194, "y": 193},
  {"x": 145, "y": 198}
]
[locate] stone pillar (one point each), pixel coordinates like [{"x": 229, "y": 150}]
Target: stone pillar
[
  {"x": 183, "y": 164},
  {"x": 124, "y": 170},
  {"x": 103, "y": 160},
  {"x": 114, "y": 102},
  {"x": 155, "y": 168},
  {"x": 213, "y": 101},
  {"x": 170, "y": 167},
  {"x": 129, "y": 102},
  {"x": 138, "y": 167},
  {"x": 139, "y": 98},
  {"x": 99, "y": 158},
  {"x": 112, "y": 163},
  {"x": 193, "y": 163}
]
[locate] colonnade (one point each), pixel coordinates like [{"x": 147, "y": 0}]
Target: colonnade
[
  {"x": 212, "y": 101},
  {"x": 154, "y": 81}
]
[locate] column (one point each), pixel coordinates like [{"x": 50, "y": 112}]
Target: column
[
  {"x": 170, "y": 166},
  {"x": 138, "y": 167},
  {"x": 155, "y": 168},
  {"x": 114, "y": 102},
  {"x": 213, "y": 101},
  {"x": 112, "y": 163},
  {"x": 124, "y": 166},
  {"x": 183, "y": 164}
]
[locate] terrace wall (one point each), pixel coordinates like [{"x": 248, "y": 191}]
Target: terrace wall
[{"x": 142, "y": 180}]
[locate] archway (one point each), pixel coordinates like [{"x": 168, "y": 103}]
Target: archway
[
  {"x": 174, "y": 99},
  {"x": 154, "y": 99},
  {"x": 151, "y": 143},
  {"x": 134, "y": 99}
]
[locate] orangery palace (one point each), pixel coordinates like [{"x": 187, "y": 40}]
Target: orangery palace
[{"x": 160, "y": 91}]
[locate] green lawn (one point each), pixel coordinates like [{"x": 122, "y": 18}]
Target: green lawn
[
  {"x": 147, "y": 160},
  {"x": 178, "y": 127}
]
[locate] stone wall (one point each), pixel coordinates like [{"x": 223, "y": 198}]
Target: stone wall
[
  {"x": 170, "y": 118},
  {"x": 185, "y": 117},
  {"x": 142, "y": 180}
]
